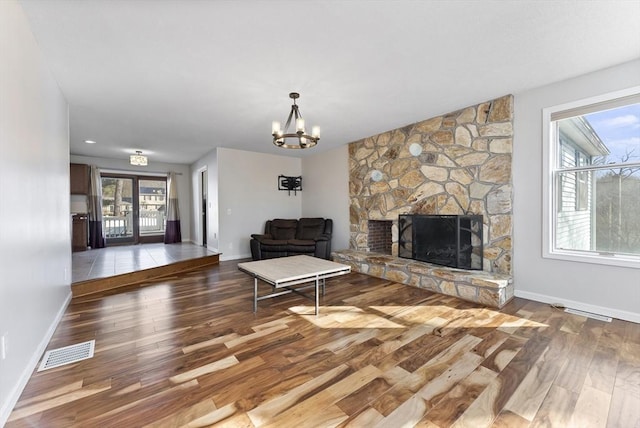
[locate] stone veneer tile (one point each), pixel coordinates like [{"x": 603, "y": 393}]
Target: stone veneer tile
[
  {"x": 377, "y": 271},
  {"x": 449, "y": 288},
  {"x": 467, "y": 292},
  {"x": 414, "y": 280},
  {"x": 429, "y": 284},
  {"x": 446, "y": 274},
  {"x": 489, "y": 297},
  {"x": 419, "y": 268},
  {"x": 499, "y": 282},
  {"x": 397, "y": 276},
  {"x": 509, "y": 292}
]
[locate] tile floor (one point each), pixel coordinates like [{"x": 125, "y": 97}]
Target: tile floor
[{"x": 104, "y": 262}]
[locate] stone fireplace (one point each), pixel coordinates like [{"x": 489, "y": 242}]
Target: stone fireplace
[{"x": 458, "y": 163}]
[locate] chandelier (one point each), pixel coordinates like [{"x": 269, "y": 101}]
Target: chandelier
[
  {"x": 138, "y": 159},
  {"x": 298, "y": 140}
]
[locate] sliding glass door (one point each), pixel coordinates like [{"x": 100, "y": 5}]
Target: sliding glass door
[
  {"x": 118, "y": 204},
  {"x": 133, "y": 208},
  {"x": 152, "y": 212}
]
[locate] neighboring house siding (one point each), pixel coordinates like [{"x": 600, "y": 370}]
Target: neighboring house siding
[{"x": 573, "y": 230}]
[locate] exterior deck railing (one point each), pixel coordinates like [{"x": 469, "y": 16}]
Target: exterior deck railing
[{"x": 149, "y": 222}]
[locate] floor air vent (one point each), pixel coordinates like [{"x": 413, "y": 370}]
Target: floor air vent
[
  {"x": 67, "y": 355},
  {"x": 588, "y": 314}
]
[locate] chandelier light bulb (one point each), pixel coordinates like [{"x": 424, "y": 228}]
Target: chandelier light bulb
[
  {"x": 275, "y": 128},
  {"x": 315, "y": 132},
  {"x": 299, "y": 124}
]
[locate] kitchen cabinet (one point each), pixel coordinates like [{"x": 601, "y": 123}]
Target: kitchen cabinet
[{"x": 79, "y": 175}]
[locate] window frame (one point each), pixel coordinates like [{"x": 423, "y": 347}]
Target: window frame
[{"x": 550, "y": 183}]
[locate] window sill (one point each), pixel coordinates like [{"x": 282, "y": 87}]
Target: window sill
[{"x": 627, "y": 261}]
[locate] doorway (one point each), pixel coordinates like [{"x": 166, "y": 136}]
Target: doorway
[{"x": 133, "y": 208}]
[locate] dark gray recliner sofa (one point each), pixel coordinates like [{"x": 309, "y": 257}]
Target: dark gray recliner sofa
[{"x": 288, "y": 237}]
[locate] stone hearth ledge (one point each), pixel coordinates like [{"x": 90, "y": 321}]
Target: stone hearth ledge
[{"x": 490, "y": 289}]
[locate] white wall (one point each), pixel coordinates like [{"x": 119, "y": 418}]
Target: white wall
[
  {"x": 35, "y": 241},
  {"x": 610, "y": 290},
  {"x": 248, "y": 195},
  {"x": 159, "y": 169},
  {"x": 325, "y": 184},
  {"x": 210, "y": 163}
]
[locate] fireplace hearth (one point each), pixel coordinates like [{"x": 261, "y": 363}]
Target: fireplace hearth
[{"x": 447, "y": 240}]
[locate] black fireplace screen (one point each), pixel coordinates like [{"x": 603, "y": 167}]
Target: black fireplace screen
[{"x": 448, "y": 240}]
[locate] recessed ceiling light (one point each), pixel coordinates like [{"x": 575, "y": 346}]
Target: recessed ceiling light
[{"x": 89, "y": 141}]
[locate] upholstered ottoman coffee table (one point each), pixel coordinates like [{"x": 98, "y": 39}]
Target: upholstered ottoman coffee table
[{"x": 284, "y": 273}]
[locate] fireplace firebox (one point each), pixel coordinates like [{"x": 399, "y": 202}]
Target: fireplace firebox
[{"x": 447, "y": 240}]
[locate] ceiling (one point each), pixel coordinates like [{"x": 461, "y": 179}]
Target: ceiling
[{"x": 178, "y": 78}]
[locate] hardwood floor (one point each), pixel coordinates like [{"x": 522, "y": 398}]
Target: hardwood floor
[{"x": 189, "y": 351}]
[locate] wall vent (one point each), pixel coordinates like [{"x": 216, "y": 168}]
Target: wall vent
[{"x": 588, "y": 314}]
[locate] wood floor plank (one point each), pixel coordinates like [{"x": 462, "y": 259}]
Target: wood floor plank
[
  {"x": 602, "y": 370},
  {"x": 528, "y": 396},
  {"x": 460, "y": 397},
  {"x": 189, "y": 351},
  {"x": 439, "y": 386},
  {"x": 272, "y": 408},
  {"x": 185, "y": 416},
  {"x": 434, "y": 370},
  {"x": 409, "y": 413},
  {"x": 481, "y": 412},
  {"x": 556, "y": 409},
  {"x": 508, "y": 419},
  {"x": 517, "y": 369},
  {"x": 592, "y": 408},
  {"x": 324, "y": 401},
  {"x": 22, "y": 411},
  {"x": 504, "y": 353},
  {"x": 221, "y": 415},
  {"x": 206, "y": 369},
  {"x": 625, "y": 400},
  {"x": 367, "y": 418}
]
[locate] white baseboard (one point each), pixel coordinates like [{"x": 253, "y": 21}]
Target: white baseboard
[
  {"x": 610, "y": 312},
  {"x": 14, "y": 395},
  {"x": 235, "y": 257}
]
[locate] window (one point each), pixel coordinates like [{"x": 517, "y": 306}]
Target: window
[{"x": 592, "y": 180}]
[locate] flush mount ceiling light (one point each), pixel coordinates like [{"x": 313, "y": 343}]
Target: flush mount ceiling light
[
  {"x": 138, "y": 159},
  {"x": 298, "y": 140}
]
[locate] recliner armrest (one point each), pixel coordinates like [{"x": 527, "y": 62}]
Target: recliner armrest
[
  {"x": 323, "y": 237},
  {"x": 261, "y": 237}
]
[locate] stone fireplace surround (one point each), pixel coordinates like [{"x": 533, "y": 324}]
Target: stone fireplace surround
[{"x": 458, "y": 163}]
